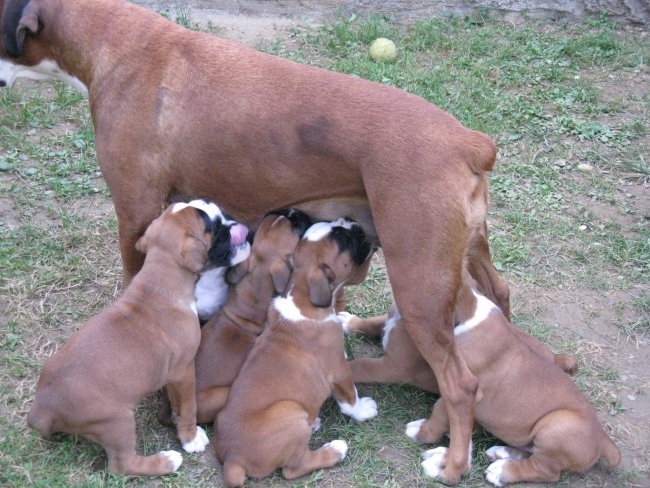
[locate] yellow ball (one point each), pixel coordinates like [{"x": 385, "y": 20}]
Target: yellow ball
[{"x": 383, "y": 49}]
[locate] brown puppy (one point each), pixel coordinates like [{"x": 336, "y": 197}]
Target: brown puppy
[
  {"x": 402, "y": 363},
  {"x": 146, "y": 340},
  {"x": 523, "y": 398},
  {"x": 295, "y": 365},
  {"x": 228, "y": 337},
  {"x": 206, "y": 116}
]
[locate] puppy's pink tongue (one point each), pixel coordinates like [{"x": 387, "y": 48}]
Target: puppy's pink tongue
[{"x": 238, "y": 234}]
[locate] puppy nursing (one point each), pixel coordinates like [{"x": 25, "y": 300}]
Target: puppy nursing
[
  {"x": 146, "y": 340},
  {"x": 523, "y": 397},
  {"x": 228, "y": 337},
  {"x": 296, "y": 364}
]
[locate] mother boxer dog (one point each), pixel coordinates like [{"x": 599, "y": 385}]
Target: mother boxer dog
[{"x": 181, "y": 114}]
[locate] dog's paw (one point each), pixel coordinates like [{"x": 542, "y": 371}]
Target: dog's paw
[
  {"x": 175, "y": 459},
  {"x": 363, "y": 409},
  {"x": 339, "y": 446},
  {"x": 315, "y": 425},
  {"x": 505, "y": 452},
  {"x": 345, "y": 318},
  {"x": 198, "y": 443},
  {"x": 413, "y": 428},
  {"x": 494, "y": 472},
  {"x": 434, "y": 461}
]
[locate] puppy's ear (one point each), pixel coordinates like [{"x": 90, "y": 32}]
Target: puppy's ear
[
  {"x": 235, "y": 274},
  {"x": 19, "y": 18},
  {"x": 319, "y": 282},
  {"x": 281, "y": 272},
  {"x": 193, "y": 253}
]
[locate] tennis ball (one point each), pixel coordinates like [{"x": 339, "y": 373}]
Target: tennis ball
[{"x": 383, "y": 49}]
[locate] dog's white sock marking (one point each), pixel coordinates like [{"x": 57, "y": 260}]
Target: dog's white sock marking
[
  {"x": 494, "y": 472},
  {"x": 45, "y": 70},
  {"x": 413, "y": 428},
  {"x": 315, "y": 425},
  {"x": 483, "y": 308},
  {"x": 388, "y": 327},
  {"x": 321, "y": 229},
  {"x": 210, "y": 292},
  {"x": 344, "y": 318},
  {"x": 363, "y": 408},
  {"x": 338, "y": 445},
  {"x": 174, "y": 457},
  {"x": 504, "y": 452},
  {"x": 434, "y": 461},
  {"x": 198, "y": 443}
]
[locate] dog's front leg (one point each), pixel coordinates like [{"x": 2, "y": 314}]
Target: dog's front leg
[
  {"x": 182, "y": 397},
  {"x": 346, "y": 395}
]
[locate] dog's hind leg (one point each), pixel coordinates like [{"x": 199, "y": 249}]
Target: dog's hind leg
[
  {"x": 307, "y": 461},
  {"x": 367, "y": 327},
  {"x": 117, "y": 437}
]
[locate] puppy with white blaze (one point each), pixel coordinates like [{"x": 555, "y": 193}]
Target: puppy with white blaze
[
  {"x": 296, "y": 364},
  {"x": 144, "y": 341},
  {"x": 231, "y": 248},
  {"x": 524, "y": 396}
]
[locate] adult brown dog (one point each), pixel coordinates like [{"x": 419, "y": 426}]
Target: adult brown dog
[
  {"x": 180, "y": 114},
  {"x": 295, "y": 365},
  {"x": 146, "y": 340},
  {"x": 228, "y": 337},
  {"x": 523, "y": 398}
]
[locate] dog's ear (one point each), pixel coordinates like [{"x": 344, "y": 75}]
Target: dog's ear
[
  {"x": 281, "y": 272},
  {"x": 319, "y": 282},
  {"x": 19, "y": 18},
  {"x": 235, "y": 274},
  {"x": 193, "y": 253}
]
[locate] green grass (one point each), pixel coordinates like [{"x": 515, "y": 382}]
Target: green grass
[{"x": 554, "y": 98}]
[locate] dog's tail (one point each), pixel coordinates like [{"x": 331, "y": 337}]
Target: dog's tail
[
  {"x": 479, "y": 151},
  {"x": 609, "y": 452},
  {"x": 234, "y": 474}
]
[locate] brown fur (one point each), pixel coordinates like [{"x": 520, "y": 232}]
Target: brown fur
[
  {"x": 523, "y": 398},
  {"x": 146, "y": 340},
  {"x": 228, "y": 337},
  {"x": 293, "y": 368},
  {"x": 181, "y": 114}
]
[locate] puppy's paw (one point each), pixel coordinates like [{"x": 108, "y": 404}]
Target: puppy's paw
[
  {"x": 345, "y": 318},
  {"x": 198, "y": 443},
  {"x": 315, "y": 425},
  {"x": 495, "y": 472},
  {"x": 339, "y": 446},
  {"x": 175, "y": 459},
  {"x": 363, "y": 409},
  {"x": 434, "y": 462},
  {"x": 413, "y": 428}
]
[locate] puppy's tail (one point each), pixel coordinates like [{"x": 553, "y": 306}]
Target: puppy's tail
[
  {"x": 609, "y": 452},
  {"x": 234, "y": 474}
]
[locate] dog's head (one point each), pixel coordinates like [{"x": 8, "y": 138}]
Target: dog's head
[
  {"x": 329, "y": 255},
  {"x": 24, "y": 49},
  {"x": 273, "y": 245},
  {"x": 199, "y": 235}
]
